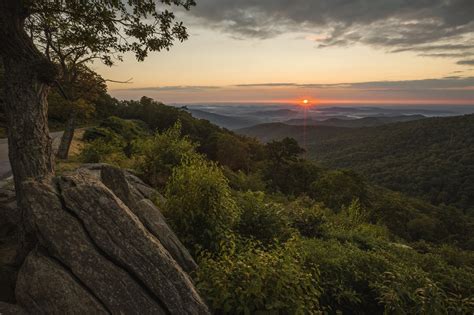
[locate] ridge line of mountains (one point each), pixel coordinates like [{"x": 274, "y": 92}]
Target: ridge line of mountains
[{"x": 431, "y": 158}]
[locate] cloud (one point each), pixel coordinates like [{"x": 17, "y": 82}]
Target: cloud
[
  {"x": 448, "y": 90},
  {"x": 267, "y": 85},
  {"x": 177, "y": 88},
  {"x": 466, "y": 62},
  {"x": 450, "y": 82},
  {"x": 440, "y": 28}
]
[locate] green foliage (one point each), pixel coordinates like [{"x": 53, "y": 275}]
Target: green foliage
[
  {"x": 283, "y": 151},
  {"x": 354, "y": 214},
  {"x": 113, "y": 126},
  {"x": 103, "y": 151},
  {"x": 95, "y": 133},
  {"x": 159, "y": 154},
  {"x": 246, "y": 279},
  {"x": 212, "y": 141},
  {"x": 338, "y": 189},
  {"x": 199, "y": 204},
  {"x": 389, "y": 279},
  {"x": 242, "y": 181},
  {"x": 95, "y": 30},
  {"x": 262, "y": 220},
  {"x": 430, "y": 158},
  {"x": 415, "y": 220},
  {"x": 232, "y": 152},
  {"x": 363, "y": 249},
  {"x": 111, "y": 141},
  {"x": 290, "y": 178},
  {"x": 308, "y": 217}
]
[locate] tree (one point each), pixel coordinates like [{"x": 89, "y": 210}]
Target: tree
[
  {"x": 106, "y": 28},
  {"x": 285, "y": 150},
  {"x": 2, "y": 110},
  {"x": 338, "y": 188},
  {"x": 232, "y": 152},
  {"x": 89, "y": 87},
  {"x": 199, "y": 204},
  {"x": 85, "y": 89},
  {"x": 163, "y": 152}
]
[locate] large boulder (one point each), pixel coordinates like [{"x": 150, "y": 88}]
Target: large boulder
[
  {"x": 136, "y": 195},
  {"x": 103, "y": 247}
]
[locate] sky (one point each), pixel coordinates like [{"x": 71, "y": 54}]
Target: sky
[{"x": 328, "y": 51}]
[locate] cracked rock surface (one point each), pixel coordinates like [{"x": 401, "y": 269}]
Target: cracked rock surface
[{"x": 103, "y": 247}]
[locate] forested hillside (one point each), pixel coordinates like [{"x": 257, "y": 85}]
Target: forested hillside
[
  {"x": 354, "y": 123},
  {"x": 272, "y": 231},
  {"x": 430, "y": 158}
]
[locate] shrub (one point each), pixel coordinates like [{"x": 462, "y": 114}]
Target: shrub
[
  {"x": 308, "y": 217},
  {"x": 127, "y": 128},
  {"x": 105, "y": 134},
  {"x": 102, "y": 151},
  {"x": 232, "y": 152},
  {"x": 244, "y": 182},
  {"x": 388, "y": 279},
  {"x": 337, "y": 189},
  {"x": 351, "y": 217},
  {"x": 199, "y": 204},
  {"x": 113, "y": 127},
  {"x": 248, "y": 280},
  {"x": 159, "y": 154},
  {"x": 264, "y": 221},
  {"x": 346, "y": 275}
]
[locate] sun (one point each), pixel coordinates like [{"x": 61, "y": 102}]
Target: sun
[{"x": 304, "y": 102}]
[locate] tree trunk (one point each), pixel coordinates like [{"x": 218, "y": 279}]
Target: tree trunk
[
  {"x": 27, "y": 77},
  {"x": 26, "y": 105},
  {"x": 67, "y": 137}
]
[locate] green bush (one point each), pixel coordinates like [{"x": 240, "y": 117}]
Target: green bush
[
  {"x": 244, "y": 182},
  {"x": 158, "y": 155},
  {"x": 350, "y": 217},
  {"x": 114, "y": 127},
  {"x": 95, "y": 133},
  {"x": 389, "y": 279},
  {"x": 249, "y": 280},
  {"x": 308, "y": 217},
  {"x": 199, "y": 204},
  {"x": 337, "y": 189},
  {"x": 102, "y": 151},
  {"x": 262, "y": 220}
]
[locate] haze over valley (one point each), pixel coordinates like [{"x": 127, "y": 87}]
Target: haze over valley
[{"x": 236, "y": 116}]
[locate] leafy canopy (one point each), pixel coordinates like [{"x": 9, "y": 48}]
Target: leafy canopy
[
  {"x": 80, "y": 31},
  {"x": 199, "y": 204},
  {"x": 161, "y": 153}
]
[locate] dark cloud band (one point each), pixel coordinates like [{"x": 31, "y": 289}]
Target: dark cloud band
[{"x": 440, "y": 28}]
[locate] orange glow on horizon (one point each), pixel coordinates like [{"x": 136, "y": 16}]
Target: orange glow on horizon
[
  {"x": 364, "y": 101},
  {"x": 306, "y": 102}
]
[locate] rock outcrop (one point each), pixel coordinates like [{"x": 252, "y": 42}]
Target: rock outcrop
[
  {"x": 103, "y": 247},
  {"x": 136, "y": 195}
]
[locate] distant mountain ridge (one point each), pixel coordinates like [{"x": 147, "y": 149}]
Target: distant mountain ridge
[
  {"x": 237, "y": 117},
  {"x": 229, "y": 122},
  {"x": 354, "y": 123},
  {"x": 432, "y": 158}
]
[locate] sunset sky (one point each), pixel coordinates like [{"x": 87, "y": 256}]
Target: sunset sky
[{"x": 333, "y": 51}]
